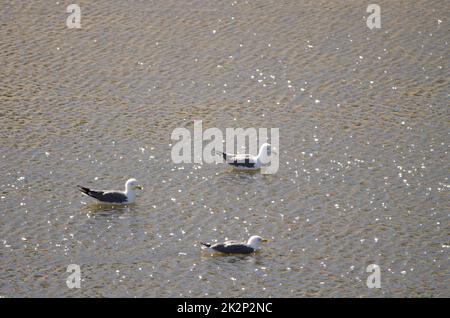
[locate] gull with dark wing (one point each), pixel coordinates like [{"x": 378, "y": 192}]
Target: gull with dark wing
[
  {"x": 232, "y": 247},
  {"x": 246, "y": 161},
  {"x": 114, "y": 197}
]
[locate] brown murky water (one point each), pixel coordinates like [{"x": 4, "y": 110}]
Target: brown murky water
[{"x": 364, "y": 130}]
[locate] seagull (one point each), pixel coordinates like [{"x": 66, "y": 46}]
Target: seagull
[
  {"x": 114, "y": 197},
  {"x": 233, "y": 247},
  {"x": 246, "y": 161}
]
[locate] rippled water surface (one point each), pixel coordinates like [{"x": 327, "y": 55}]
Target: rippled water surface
[{"x": 364, "y": 130}]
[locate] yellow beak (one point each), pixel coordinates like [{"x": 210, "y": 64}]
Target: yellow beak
[{"x": 139, "y": 187}]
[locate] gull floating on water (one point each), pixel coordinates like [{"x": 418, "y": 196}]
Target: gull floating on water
[
  {"x": 115, "y": 197},
  {"x": 232, "y": 247},
  {"x": 246, "y": 161}
]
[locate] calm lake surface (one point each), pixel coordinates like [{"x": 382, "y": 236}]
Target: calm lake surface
[{"x": 364, "y": 129}]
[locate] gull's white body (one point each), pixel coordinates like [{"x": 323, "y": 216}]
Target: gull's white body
[
  {"x": 249, "y": 162},
  {"x": 128, "y": 196},
  {"x": 232, "y": 247}
]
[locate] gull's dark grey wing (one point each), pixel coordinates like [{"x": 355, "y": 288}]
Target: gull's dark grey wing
[
  {"x": 240, "y": 160},
  {"x": 105, "y": 196},
  {"x": 232, "y": 248},
  {"x": 245, "y": 162}
]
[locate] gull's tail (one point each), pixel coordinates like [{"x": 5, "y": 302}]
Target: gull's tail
[
  {"x": 206, "y": 244},
  {"x": 85, "y": 190},
  {"x": 224, "y": 155}
]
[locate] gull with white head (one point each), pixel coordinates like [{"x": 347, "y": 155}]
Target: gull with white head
[
  {"x": 114, "y": 197},
  {"x": 247, "y": 161},
  {"x": 232, "y": 247}
]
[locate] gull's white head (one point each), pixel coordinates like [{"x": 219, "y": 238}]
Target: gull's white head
[
  {"x": 265, "y": 147},
  {"x": 132, "y": 184},
  {"x": 255, "y": 241}
]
